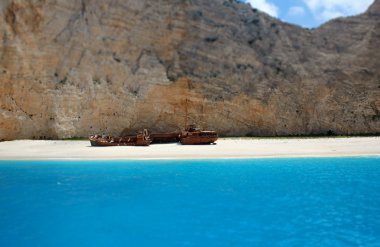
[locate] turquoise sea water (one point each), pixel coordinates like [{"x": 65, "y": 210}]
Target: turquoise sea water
[{"x": 262, "y": 202}]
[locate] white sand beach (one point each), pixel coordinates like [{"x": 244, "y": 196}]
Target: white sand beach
[{"x": 225, "y": 148}]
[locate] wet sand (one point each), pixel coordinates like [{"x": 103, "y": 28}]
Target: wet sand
[{"x": 225, "y": 148}]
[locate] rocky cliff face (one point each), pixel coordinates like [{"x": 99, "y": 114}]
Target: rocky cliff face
[{"x": 73, "y": 68}]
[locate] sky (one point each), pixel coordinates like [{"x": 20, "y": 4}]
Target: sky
[{"x": 310, "y": 13}]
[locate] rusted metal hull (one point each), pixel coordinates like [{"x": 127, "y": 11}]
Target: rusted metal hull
[
  {"x": 191, "y": 136},
  {"x": 140, "y": 139},
  {"x": 165, "y": 137},
  {"x": 198, "y": 137},
  {"x": 197, "y": 140},
  {"x": 103, "y": 143}
]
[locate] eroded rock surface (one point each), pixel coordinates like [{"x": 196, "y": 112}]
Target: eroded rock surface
[{"x": 74, "y": 68}]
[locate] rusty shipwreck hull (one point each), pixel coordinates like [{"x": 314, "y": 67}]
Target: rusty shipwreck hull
[
  {"x": 140, "y": 139},
  {"x": 130, "y": 142},
  {"x": 171, "y": 137},
  {"x": 198, "y": 137}
]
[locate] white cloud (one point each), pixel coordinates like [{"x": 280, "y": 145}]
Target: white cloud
[
  {"x": 329, "y": 14},
  {"x": 324, "y": 10},
  {"x": 296, "y": 11},
  {"x": 265, "y": 6}
]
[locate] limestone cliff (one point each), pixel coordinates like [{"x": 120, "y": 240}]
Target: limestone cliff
[{"x": 73, "y": 68}]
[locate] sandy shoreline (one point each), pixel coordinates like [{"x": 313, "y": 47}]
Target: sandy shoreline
[{"x": 225, "y": 148}]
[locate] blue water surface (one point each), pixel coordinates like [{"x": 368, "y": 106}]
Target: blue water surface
[{"x": 260, "y": 202}]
